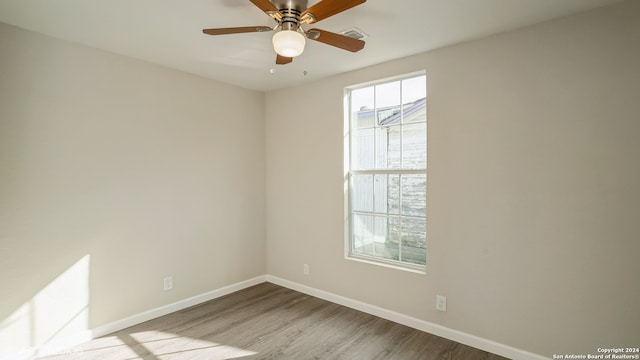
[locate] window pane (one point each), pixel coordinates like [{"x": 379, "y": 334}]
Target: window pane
[
  {"x": 414, "y": 234},
  {"x": 380, "y": 229},
  {"x": 363, "y": 119},
  {"x": 393, "y": 194},
  {"x": 384, "y": 248},
  {"x": 362, "y": 234},
  {"x": 361, "y": 99},
  {"x": 414, "y": 195},
  {"x": 393, "y": 148},
  {"x": 382, "y": 147},
  {"x": 381, "y": 194},
  {"x": 414, "y": 99},
  {"x": 414, "y": 111},
  {"x": 388, "y": 115},
  {"x": 391, "y": 248},
  {"x": 388, "y": 95},
  {"x": 362, "y": 149},
  {"x": 362, "y": 112},
  {"x": 393, "y": 225},
  {"x": 362, "y": 193},
  {"x": 414, "y": 146},
  {"x": 388, "y": 103},
  {"x": 414, "y": 89}
]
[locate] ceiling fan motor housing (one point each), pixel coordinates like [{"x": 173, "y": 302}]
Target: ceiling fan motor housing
[
  {"x": 299, "y": 5},
  {"x": 290, "y": 19},
  {"x": 292, "y": 13}
]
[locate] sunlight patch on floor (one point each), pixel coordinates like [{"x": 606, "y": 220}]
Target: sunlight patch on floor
[
  {"x": 152, "y": 345},
  {"x": 167, "y": 346}
]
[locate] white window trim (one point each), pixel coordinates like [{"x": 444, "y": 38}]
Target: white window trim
[{"x": 347, "y": 150}]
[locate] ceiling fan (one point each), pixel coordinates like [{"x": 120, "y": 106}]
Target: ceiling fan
[{"x": 289, "y": 38}]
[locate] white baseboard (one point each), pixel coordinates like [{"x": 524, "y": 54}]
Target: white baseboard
[
  {"x": 426, "y": 326},
  {"x": 179, "y": 305}
]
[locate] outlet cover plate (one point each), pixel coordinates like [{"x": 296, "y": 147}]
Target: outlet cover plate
[
  {"x": 168, "y": 283},
  {"x": 441, "y": 303}
]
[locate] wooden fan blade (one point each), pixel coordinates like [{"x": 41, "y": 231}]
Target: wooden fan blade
[
  {"x": 326, "y": 8},
  {"x": 265, "y": 5},
  {"x": 281, "y": 60},
  {"x": 236, "y": 30},
  {"x": 337, "y": 40}
]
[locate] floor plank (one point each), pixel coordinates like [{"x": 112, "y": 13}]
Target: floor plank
[{"x": 268, "y": 321}]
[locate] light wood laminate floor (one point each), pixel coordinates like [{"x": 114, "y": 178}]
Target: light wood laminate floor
[{"x": 267, "y": 321}]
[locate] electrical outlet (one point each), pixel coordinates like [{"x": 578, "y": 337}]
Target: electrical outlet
[
  {"x": 441, "y": 303},
  {"x": 305, "y": 269},
  {"x": 168, "y": 283}
]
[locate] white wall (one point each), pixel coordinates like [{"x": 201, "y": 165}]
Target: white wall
[
  {"x": 533, "y": 186},
  {"x": 149, "y": 171}
]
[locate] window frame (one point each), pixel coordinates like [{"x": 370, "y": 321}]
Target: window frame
[{"x": 349, "y": 173}]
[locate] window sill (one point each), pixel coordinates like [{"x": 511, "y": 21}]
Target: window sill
[{"x": 417, "y": 269}]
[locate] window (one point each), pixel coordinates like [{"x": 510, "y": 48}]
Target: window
[{"x": 386, "y": 171}]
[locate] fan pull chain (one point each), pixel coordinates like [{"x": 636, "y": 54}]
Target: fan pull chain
[{"x": 304, "y": 61}]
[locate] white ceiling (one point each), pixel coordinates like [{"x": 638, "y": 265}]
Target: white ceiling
[{"x": 168, "y": 32}]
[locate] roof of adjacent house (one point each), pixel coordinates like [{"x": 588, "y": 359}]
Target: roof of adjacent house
[{"x": 392, "y": 115}]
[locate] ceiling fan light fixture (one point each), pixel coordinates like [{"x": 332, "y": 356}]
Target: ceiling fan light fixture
[
  {"x": 289, "y": 38},
  {"x": 289, "y": 43}
]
